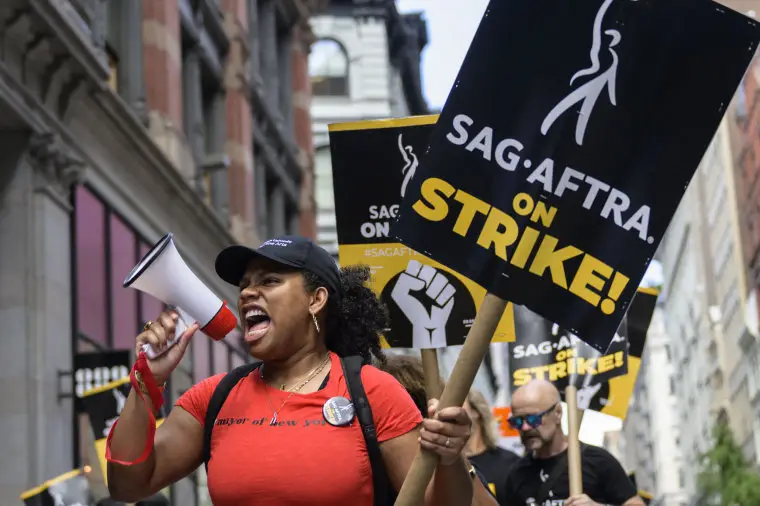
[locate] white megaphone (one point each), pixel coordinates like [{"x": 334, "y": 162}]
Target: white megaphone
[{"x": 163, "y": 274}]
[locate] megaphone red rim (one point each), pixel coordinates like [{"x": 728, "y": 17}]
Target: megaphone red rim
[
  {"x": 148, "y": 259},
  {"x": 221, "y": 324}
]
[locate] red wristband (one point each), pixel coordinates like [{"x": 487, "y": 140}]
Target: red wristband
[{"x": 141, "y": 365}]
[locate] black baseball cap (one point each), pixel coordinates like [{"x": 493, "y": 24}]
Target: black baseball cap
[{"x": 290, "y": 250}]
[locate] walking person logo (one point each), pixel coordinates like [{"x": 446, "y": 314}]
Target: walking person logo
[
  {"x": 589, "y": 92},
  {"x": 411, "y": 163}
]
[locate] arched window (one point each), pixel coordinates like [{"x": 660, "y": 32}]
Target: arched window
[{"x": 328, "y": 69}]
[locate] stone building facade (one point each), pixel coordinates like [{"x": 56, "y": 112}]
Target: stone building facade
[
  {"x": 123, "y": 120},
  {"x": 365, "y": 64}
]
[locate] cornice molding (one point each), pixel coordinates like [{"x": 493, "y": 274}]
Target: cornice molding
[{"x": 56, "y": 168}]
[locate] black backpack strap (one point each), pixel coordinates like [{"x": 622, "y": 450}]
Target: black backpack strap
[
  {"x": 352, "y": 369},
  {"x": 220, "y": 394}
]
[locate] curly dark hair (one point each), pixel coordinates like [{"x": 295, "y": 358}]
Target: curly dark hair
[
  {"x": 408, "y": 371},
  {"x": 356, "y": 320}
]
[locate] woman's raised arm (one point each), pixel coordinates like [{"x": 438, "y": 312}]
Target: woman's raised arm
[{"x": 142, "y": 459}]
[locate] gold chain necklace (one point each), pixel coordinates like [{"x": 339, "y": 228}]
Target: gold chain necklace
[
  {"x": 310, "y": 374},
  {"x": 293, "y": 390}
]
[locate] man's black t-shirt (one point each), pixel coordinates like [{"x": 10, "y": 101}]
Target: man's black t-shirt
[
  {"x": 604, "y": 480},
  {"x": 495, "y": 465}
]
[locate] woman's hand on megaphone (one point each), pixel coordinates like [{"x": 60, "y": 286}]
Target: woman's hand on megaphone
[{"x": 157, "y": 334}]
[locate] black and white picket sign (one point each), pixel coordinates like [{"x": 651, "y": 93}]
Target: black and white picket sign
[{"x": 566, "y": 145}]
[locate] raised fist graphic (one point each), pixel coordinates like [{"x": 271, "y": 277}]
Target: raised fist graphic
[{"x": 428, "y": 328}]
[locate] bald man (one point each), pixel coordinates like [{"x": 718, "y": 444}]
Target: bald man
[{"x": 540, "y": 478}]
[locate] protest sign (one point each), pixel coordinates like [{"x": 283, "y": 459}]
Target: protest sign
[
  {"x": 95, "y": 369},
  {"x": 373, "y": 162},
  {"x": 605, "y": 382},
  {"x": 103, "y": 406},
  {"x": 69, "y": 489},
  {"x": 509, "y": 438},
  {"x": 566, "y": 145}
]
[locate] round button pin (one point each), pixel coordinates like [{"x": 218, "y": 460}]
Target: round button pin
[{"x": 338, "y": 411}]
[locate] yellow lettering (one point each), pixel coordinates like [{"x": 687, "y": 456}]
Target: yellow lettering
[
  {"x": 546, "y": 216},
  {"x": 552, "y": 258},
  {"x": 521, "y": 377},
  {"x": 501, "y": 230},
  {"x": 540, "y": 371},
  {"x": 571, "y": 366},
  {"x": 522, "y": 204},
  {"x": 470, "y": 206},
  {"x": 561, "y": 355},
  {"x": 557, "y": 371},
  {"x": 605, "y": 363},
  {"x": 586, "y": 365},
  {"x": 524, "y": 247},
  {"x": 588, "y": 275},
  {"x": 436, "y": 208}
]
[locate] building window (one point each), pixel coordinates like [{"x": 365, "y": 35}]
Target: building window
[
  {"x": 204, "y": 120},
  {"x": 113, "y": 70},
  {"x": 237, "y": 359},
  {"x": 214, "y": 163},
  {"x": 90, "y": 244},
  {"x": 741, "y": 102},
  {"x": 107, "y": 248},
  {"x": 109, "y": 316},
  {"x": 730, "y": 302},
  {"x": 124, "y": 252},
  {"x": 123, "y": 50},
  {"x": 201, "y": 357},
  {"x": 725, "y": 250},
  {"x": 113, "y": 29},
  {"x": 221, "y": 357},
  {"x": 328, "y": 68}
]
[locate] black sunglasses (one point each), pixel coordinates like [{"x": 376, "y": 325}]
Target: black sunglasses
[{"x": 534, "y": 420}]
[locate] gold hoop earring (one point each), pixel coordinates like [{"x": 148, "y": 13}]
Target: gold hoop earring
[{"x": 314, "y": 319}]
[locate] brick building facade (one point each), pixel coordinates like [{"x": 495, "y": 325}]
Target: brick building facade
[
  {"x": 122, "y": 120},
  {"x": 747, "y": 191},
  {"x": 747, "y": 171}
]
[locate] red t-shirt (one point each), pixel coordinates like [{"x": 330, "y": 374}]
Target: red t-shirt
[{"x": 302, "y": 460}]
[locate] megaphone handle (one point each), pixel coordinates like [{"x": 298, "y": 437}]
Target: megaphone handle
[{"x": 179, "y": 329}]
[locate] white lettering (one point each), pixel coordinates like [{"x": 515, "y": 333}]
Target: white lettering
[
  {"x": 508, "y": 155},
  {"x": 617, "y": 202},
  {"x": 639, "y": 221},
  {"x": 370, "y": 230},
  {"x": 510, "y": 165},
  {"x": 532, "y": 350},
  {"x": 544, "y": 173},
  {"x": 563, "y": 343},
  {"x": 566, "y": 182},
  {"x": 383, "y": 212},
  {"x": 594, "y": 186},
  {"x": 482, "y": 142},
  {"x": 459, "y": 121},
  {"x": 389, "y": 252}
]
